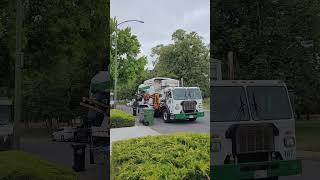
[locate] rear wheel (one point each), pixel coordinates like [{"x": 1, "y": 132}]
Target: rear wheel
[
  {"x": 157, "y": 113},
  {"x": 134, "y": 112},
  {"x": 166, "y": 116}
]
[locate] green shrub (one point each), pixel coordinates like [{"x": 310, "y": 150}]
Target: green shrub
[
  {"x": 174, "y": 157},
  {"x": 121, "y": 119},
  {"x": 17, "y": 165}
]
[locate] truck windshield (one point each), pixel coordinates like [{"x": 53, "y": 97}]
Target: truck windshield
[
  {"x": 269, "y": 102},
  {"x": 229, "y": 104},
  {"x": 179, "y": 94},
  {"x": 194, "y": 93},
  {"x": 5, "y": 114}
]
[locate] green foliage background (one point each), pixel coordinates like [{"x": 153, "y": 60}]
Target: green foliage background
[
  {"x": 65, "y": 44},
  {"x": 266, "y": 39},
  {"x": 186, "y": 57}
]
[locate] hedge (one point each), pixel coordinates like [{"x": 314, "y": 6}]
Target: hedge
[
  {"x": 121, "y": 119},
  {"x": 17, "y": 165},
  {"x": 176, "y": 157}
]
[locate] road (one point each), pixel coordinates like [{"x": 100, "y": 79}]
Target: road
[
  {"x": 61, "y": 153},
  {"x": 200, "y": 125},
  {"x": 310, "y": 171}
]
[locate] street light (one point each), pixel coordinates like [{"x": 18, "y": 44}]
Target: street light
[{"x": 116, "y": 59}]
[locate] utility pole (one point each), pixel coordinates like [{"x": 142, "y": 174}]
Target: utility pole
[
  {"x": 231, "y": 68},
  {"x": 116, "y": 59},
  {"x": 18, "y": 74},
  {"x": 115, "y": 69}
]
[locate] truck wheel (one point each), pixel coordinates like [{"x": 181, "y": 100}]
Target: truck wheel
[
  {"x": 157, "y": 113},
  {"x": 192, "y": 119},
  {"x": 166, "y": 116}
]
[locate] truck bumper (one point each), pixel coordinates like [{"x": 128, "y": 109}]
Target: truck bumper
[
  {"x": 188, "y": 115},
  {"x": 256, "y": 170}
]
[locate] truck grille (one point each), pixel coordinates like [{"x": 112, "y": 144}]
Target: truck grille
[
  {"x": 189, "y": 106},
  {"x": 254, "y": 139}
]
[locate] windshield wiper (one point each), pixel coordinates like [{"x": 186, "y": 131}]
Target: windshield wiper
[
  {"x": 240, "y": 111},
  {"x": 257, "y": 107}
]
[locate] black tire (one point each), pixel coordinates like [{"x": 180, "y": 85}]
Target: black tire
[
  {"x": 134, "y": 112},
  {"x": 157, "y": 113},
  {"x": 166, "y": 116},
  {"x": 192, "y": 119}
]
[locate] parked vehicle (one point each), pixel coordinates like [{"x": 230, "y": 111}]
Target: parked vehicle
[
  {"x": 64, "y": 134},
  {"x": 252, "y": 130},
  {"x": 169, "y": 99},
  {"x": 6, "y": 126}
]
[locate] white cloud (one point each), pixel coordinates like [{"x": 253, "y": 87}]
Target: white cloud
[{"x": 162, "y": 18}]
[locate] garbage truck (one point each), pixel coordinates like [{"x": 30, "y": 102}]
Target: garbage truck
[
  {"x": 6, "y": 126},
  {"x": 98, "y": 124},
  {"x": 169, "y": 99},
  {"x": 252, "y": 130}
]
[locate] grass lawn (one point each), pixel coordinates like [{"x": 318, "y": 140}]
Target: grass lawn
[
  {"x": 206, "y": 103},
  {"x": 308, "y": 133},
  {"x": 18, "y": 165}
]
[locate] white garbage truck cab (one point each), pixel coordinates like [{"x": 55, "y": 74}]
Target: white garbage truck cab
[
  {"x": 181, "y": 103},
  {"x": 252, "y": 130}
]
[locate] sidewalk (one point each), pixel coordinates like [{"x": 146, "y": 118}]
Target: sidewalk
[{"x": 117, "y": 134}]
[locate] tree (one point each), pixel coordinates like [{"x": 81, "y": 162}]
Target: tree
[
  {"x": 65, "y": 44},
  {"x": 130, "y": 64},
  {"x": 187, "y": 57},
  {"x": 267, "y": 38}
]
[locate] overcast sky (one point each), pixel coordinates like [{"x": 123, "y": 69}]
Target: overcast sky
[{"x": 162, "y": 18}]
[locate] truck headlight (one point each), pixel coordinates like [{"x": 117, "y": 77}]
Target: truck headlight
[
  {"x": 200, "y": 106},
  {"x": 289, "y": 141},
  {"x": 215, "y": 147}
]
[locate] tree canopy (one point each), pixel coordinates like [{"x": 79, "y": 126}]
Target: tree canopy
[
  {"x": 65, "y": 45},
  {"x": 271, "y": 40},
  {"x": 187, "y": 57}
]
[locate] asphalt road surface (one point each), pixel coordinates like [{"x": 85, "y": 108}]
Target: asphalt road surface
[
  {"x": 310, "y": 171},
  {"x": 200, "y": 125},
  {"x": 61, "y": 153}
]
